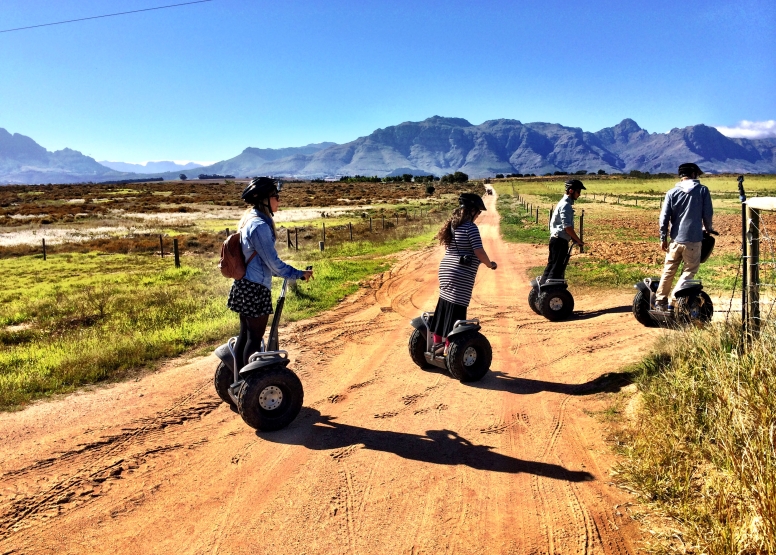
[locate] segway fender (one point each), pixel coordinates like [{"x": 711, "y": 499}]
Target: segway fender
[
  {"x": 688, "y": 291},
  {"x": 226, "y": 357},
  {"x": 258, "y": 365},
  {"x": 418, "y": 324},
  {"x": 463, "y": 329},
  {"x": 641, "y": 286}
]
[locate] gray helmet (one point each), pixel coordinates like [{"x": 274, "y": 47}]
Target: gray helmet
[
  {"x": 689, "y": 169},
  {"x": 471, "y": 200}
]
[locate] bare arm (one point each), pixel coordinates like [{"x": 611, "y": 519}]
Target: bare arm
[
  {"x": 483, "y": 257},
  {"x": 574, "y": 236}
]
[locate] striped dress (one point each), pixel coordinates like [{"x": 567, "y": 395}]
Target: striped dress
[{"x": 456, "y": 281}]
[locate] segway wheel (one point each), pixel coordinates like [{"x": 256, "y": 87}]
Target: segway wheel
[
  {"x": 556, "y": 305},
  {"x": 533, "y": 300},
  {"x": 469, "y": 356},
  {"x": 270, "y": 399},
  {"x": 222, "y": 380},
  {"x": 641, "y": 310},
  {"x": 417, "y": 347},
  {"x": 696, "y": 310}
]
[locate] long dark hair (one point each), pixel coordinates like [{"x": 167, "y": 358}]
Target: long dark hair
[{"x": 460, "y": 215}]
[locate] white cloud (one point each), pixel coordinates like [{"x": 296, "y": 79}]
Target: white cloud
[{"x": 751, "y": 129}]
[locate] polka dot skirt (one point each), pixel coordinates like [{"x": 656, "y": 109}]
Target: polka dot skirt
[{"x": 250, "y": 299}]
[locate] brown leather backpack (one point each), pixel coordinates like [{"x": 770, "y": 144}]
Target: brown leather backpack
[{"x": 232, "y": 263}]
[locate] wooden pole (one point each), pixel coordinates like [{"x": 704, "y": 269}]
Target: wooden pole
[
  {"x": 288, "y": 238},
  {"x": 350, "y": 227},
  {"x": 383, "y": 221},
  {"x": 320, "y": 245},
  {"x": 44, "y": 249},
  {"x": 177, "y": 253},
  {"x": 161, "y": 246},
  {"x": 370, "y": 224},
  {"x": 296, "y": 238},
  {"x": 324, "y": 232},
  {"x": 537, "y": 214},
  {"x": 227, "y": 232},
  {"x": 582, "y": 230},
  {"x": 753, "y": 270}
]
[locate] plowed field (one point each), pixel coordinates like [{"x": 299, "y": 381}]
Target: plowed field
[{"x": 384, "y": 458}]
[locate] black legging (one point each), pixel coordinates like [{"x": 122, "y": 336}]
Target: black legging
[{"x": 249, "y": 340}]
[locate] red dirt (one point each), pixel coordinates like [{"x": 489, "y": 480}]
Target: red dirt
[{"x": 384, "y": 458}]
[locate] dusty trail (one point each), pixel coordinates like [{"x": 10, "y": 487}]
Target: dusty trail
[{"x": 384, "y": 458}]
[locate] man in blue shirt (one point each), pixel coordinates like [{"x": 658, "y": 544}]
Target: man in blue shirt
[
  {"x": 562, "y": 231},
  {"x": 687, "y": 208}
]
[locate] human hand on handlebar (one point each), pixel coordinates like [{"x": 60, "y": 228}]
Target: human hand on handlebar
[{"x": 308, "y": 274}]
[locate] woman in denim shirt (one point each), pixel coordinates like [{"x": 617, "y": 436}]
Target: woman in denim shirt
[{"x": 250, "y": 296}]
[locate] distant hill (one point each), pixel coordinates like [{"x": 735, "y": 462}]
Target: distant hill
[
  {"x": 437, "y": 145},
  {"x": 149, "y": 167},
  {"x": 22, "y": 160}
]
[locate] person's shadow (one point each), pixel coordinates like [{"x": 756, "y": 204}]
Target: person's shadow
[
  {"x": 320, "y": 432},
  {"x": 610, "y": 382}
]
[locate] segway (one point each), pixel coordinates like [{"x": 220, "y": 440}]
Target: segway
[
  {"x": 468, "y": 356},
  {"x": 693, "y": 305},
  {"x": 267, "y": 394},
  {"x": 552, "y": 298}
]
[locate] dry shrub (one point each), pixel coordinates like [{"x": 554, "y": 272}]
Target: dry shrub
[{"x": 705, "y": 447}]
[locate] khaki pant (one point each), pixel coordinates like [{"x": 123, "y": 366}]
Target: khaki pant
[{"x": 690, "y": 253}]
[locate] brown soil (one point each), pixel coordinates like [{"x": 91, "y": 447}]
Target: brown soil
[{"x": 384, "y": 458}]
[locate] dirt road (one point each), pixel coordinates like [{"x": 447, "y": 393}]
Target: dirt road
[{"x": 384, "y": 458}]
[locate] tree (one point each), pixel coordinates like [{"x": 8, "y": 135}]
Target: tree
[
  {"x": 430, "y": 189},
  {"x": 499, "y": 176},
  {"x": 407, "y": 177},
  {"x": 601, "y": 172},
  {"x": 580, "y": 172},
  {"x": 182, "y": 177}
]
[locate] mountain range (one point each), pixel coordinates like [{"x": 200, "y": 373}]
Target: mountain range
[{"x": 437, "y": 145}]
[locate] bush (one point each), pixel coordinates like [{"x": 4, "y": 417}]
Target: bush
[
  {"x": 499, "y": 176},
  {"x": 430, "y": 189},
  {"x": 601, "y": 172}
]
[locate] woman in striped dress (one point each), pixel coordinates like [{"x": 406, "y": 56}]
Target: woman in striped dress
[{"x": 464, "y": 252}]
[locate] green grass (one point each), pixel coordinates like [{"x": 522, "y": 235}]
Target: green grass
[{"x": 79, "y": 319}]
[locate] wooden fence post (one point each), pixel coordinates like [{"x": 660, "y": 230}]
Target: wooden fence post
[
  {"x": 350, "y": 227},
  {"x": 161, "y": 246},
  {"x": 177, "y": 253},
  {"x": 288, "y": 238},
  {"x": 324, "y": 232},
  {"x": 582, "y": 230},
  {"x": 370, "y": 224},
  {"x": 537, "y": 214},
  {"x": 44, "y": 249},
  {"x": 320, "y": 245},
  {"x": 296, "y": 238},
  {"x": 753, "y": 270},
  {"x": 383, "y": 221}
]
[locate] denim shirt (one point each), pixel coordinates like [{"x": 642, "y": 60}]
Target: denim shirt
[
  {"x": 687, "y": 208},
  {"x": 256, "y": 236},
  {"x": 562, "y": 217}
]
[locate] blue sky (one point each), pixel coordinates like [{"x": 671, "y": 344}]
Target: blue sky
[{"x": 202, "y": 82}]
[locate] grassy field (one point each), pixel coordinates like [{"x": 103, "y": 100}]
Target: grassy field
[
  {"x": 621, "y": 226},
  {"x": 105, "y": 304}
]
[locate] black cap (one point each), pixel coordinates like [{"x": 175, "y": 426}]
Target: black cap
[
  {"x": 689, "y": 169},
  {"x": 575, "y": 185},
  {"x": 471, "y": 200},
  {"x": 259, "y": 188}
]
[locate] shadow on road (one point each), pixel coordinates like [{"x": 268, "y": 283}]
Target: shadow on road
[
  {"x": 588, "y": 314},
  {"x": 319, "y": 432},
  {"x": 611, "y": 382}
]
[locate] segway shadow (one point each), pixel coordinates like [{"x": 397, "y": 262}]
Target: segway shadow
[
  {"x": 468, "y": 356},
  {"x": 267, "y": 394}
]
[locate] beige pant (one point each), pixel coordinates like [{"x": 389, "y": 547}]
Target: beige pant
[{"x": 690, "y": 253}]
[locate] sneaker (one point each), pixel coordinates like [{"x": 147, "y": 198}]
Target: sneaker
[
  {"x": 661, "y": 306},
  {"x": 438, "y": 349}
]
